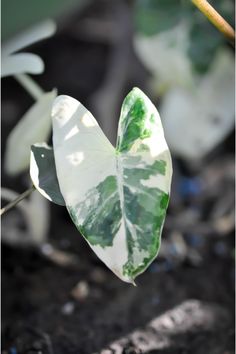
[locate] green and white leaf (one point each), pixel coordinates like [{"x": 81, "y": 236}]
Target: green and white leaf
[
  {"x": 43, "y": 173},
  {"x": 34, "y": 126},
  {"x": 117, "y": 198}
]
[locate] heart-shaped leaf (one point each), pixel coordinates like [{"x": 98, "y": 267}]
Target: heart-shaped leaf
[{"x": 117, "y": 198}]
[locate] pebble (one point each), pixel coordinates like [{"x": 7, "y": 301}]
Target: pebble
[
  {"x": 80, "y": 291},
  {"x": 46, "y": 249},
  {"x": 68, "y": 308}
]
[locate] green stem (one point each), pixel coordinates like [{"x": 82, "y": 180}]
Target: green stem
[
  {"x": 215, "y": 18},
  {"x": 30, "y": 85},
  {"x": 17, "y": 200}
]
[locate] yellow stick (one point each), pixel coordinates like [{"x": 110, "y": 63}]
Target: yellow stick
[{"x": 215, "y": 18}]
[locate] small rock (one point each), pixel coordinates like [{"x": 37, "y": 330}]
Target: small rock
[
  {"x": 68, "y": 308},
  {"x": 80, "y": 291},
  {"x": 47, "y": 249}
]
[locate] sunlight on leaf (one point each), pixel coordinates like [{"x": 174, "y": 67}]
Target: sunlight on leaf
[{"x": 117, "y": 198}]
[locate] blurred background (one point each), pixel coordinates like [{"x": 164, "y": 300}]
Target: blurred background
[{"x": 57, "y": 296}]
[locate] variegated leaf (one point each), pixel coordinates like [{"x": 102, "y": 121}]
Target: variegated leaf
[{"x": 117, "y": 198}]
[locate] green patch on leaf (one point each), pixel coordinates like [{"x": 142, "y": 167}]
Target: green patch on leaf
[
  {"x": 100, "y": 212},
  {"x": 133, "y": 122}
]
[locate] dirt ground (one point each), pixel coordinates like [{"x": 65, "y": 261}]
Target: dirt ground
[
  {"x": 45, "y": 311},
  {"x": 59, "y": 298}
]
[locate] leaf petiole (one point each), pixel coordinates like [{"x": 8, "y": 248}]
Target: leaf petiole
[
  {"x": 17, "y": 200},
  {"x": 30, "y": 86}
]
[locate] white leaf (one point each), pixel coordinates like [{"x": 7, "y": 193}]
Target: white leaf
[
  {"x": 13, "y": 64},
  {"x": 34, "y": 126},
  {"x": 21, "y": 63},
  {"x": 197, "y": 120},
  {"x": 30, "y": 36},
  {"x": 39, "y": 217},
  {"x": 165, "y": 55}
]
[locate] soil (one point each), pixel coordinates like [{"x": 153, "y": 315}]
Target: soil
[
  {"x": 59, "y": 298},
  {"x": 43, "y": 313}
]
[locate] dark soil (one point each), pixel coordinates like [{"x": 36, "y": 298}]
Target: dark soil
[
  {"x": 184, "y": 302},
  {"x": 41, "y": 315}
]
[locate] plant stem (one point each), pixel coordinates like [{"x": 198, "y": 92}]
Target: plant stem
[
  {"x": 215, "y": 18},
  {"x": 17, "y": 200},
  {"x": 30, "y": 85}
]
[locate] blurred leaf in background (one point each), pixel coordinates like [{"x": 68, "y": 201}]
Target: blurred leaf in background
[
  {"x": 34, "y": 126},
  {"x": 192, "y": 70},
  {"x": 204, "y": 115},
  {"x": 19, "y": 15},
  {"x": 33, "y": 213},
  {"x": 17, "y": 63},
  {"x": 153, "y": 17},
  {"x": 205, "y": 39},
  {"x": 165, "y": 55}
]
